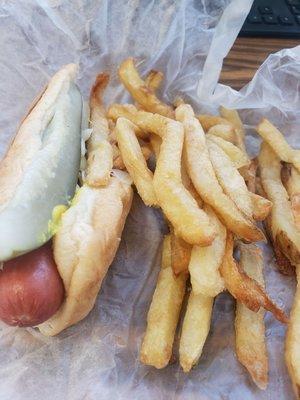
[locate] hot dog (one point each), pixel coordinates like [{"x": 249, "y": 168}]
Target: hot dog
[
  {"x": 53, "y": 283},
  {"x": 31, "y": 289}
]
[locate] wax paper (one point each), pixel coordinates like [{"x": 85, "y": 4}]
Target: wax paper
[{"x": 98, "y": 358}]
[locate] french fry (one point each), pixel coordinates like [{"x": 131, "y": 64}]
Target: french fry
[
  {"x": 211, "y": 194},
  {"x": 284, "y": 230},
  {"x": 261, "y": 206},
  {"x": 230, "y": 179},
  {"x": 291, "y": 181},
  {"x": 155, "y": 142},
  {"x": 163, "y": 314},
  {"x": 177, "y": 101},
  {"x": 146, "y": 150},
  {"x": 180, "y": 254},
  {"x": 166, "y": 254},
  {"x": 275, "y": 139},
  {"x": 236, "y": 155},
  {"x": 249, "y": 326},
  {"x": 205, "y": 261},
  {"x": 97, "y": 173},
  {"x": 292, "y": 343},
  {"x": 189, "y": 221},
  {"x": 233, "y": 117},
  {"x": 154, "y": 80},
  {"x": 134, "y": 161},
  {"x": 243, "y": 288},
  {"x": 139, "y": 90},
  {"x": 195, "y": 195},
  {"x": 186, "y": 181},
  {"x": 100, "y": 154},
  {"x": 283, "y": 263},
  {"x": 249, "y": 174},
  {"x": 127, "y": 111},
  {"x": 188, "y": 184},
  {"x": 207, "y": 121},
  {"x": 118, "y": 161},
  {"x": 195, "y": 329},
  {"x": 225, "y": 132},
  {"x": 207, "y": 184}
]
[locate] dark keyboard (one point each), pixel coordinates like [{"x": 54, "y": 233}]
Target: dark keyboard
[{"x": 273, "y": 18}]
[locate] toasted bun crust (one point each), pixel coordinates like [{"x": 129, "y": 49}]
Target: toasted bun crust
[{"x": 85, "y": 246}]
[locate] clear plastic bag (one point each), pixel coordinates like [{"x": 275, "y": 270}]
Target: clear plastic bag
[{"x": 187, "y": 40}]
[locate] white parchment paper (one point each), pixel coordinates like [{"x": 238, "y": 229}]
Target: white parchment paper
[{"x": 98, "y": 358}]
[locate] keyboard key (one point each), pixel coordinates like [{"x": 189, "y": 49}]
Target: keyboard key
[
  {"x": 295, "y": 10},
  {"x": 293, "y": 2},
  {"x": 265, "y": 10},
  {"x": 270, "y": 19},
  {"x": 297, "y": 17},
  {"x": 254, "y": 19},
  {"x": 285, "y": 20}
]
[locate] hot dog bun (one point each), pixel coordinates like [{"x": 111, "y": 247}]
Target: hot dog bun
[
  {"x": 41, "y": 167},
  {"x": 85, "y": 246}
]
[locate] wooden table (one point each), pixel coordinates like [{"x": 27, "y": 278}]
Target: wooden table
[{"x": 246, "y": 55}]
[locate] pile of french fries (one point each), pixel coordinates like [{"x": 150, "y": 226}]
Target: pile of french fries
[
  {"x": 212, "y": 196},
  {"x": 279, "y": 180}
]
